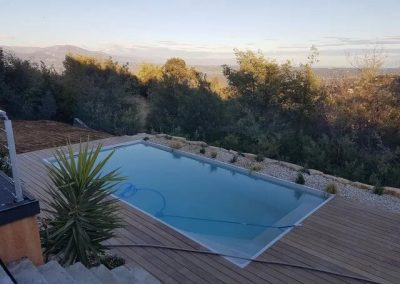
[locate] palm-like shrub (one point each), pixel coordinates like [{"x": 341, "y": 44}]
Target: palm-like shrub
[{"x": 82, "y": 213}]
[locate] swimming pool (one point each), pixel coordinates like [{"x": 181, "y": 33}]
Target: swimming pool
[{"x": 224, "y": 208}]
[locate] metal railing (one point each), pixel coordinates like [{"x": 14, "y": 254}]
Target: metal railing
[{"x": 10, "y": 147}]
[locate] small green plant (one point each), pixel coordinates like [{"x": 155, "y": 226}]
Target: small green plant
[
  {"x": 259, "y": 158},
  {"x": 5, "y": 162},
  {"x": 331, "y": 188},
  {"x": 112, "y": 261},
  {"x": 176, "y": 145},
  {"x": 146, "y": 138},
  {"x": 300, "y": 179},
  {"x": 234, "y": 159},
  {"x": 81, "y": 213},
  {"x": 256, "y": 167},
  {"x": 213, "y": 154},
  {"x": 202, "y": 150},
  {"x": 108, "y": 260},
  {"x": 378, "y": 189}
]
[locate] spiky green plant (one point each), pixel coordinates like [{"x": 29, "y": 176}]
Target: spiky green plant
[{"x": 82, "y": 213}]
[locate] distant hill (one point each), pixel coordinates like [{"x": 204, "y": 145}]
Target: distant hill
[{"x": 54, "y": 56}]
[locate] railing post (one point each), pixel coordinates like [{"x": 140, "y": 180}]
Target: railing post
[{"x": 12, "y": 155}]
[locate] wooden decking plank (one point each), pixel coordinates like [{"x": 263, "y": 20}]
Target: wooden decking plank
[{"x": 353, "y": 257}]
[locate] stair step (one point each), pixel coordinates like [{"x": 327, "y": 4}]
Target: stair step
[
  {"x": 81, "y": 274},
  {"x": 142, "y": 276},
  {"x": 104, "y": 275},
  {"x": 55, "y": 273},
  {"x": 124, "y": 275},
  {"x": 25, "y": 272},
  {"x": 134, "y": 275}
]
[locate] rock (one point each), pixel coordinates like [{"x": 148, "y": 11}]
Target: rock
[
  {"x": 250, "y": 155},
  {"x": 197, "y": 143},
  {"x": 342, "y": 180},
  {"x": 362, "y": 185},
  {"x": 316, "y": 172},
  {"x": 392, "y": 191},
  {"x": 178, "y": 138},
  {"x": 291, "y": 166},
  {"x": 161, "y": 135}
]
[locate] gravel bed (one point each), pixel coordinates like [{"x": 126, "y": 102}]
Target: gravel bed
[{"x": 276, "y": 169}]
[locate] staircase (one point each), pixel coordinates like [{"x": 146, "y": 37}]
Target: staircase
[{"x": 25, "y": 272}]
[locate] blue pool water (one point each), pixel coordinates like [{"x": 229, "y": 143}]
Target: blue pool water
[{"x": 222, "y": 208}]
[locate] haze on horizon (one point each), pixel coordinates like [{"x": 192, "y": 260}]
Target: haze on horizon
[{"x": 206, "y": 32}]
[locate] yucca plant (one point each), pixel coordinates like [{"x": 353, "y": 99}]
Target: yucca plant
[{"x": 81, "y": 210}]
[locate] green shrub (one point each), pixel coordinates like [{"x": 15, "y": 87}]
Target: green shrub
[
  {"x": 213, "y": 154},
  {"x": 112, "y": 261},
  {"x": 331, "y": 188},
  {"x": 146, "y": 138},
  {"x": 81, "y": 213},
  {"x": 256, "y": 167},
  {"x": 234, "y": 159},
  {"x": 4, "y": 162},
  {"x": 202, "y": 150},
  {"x": 378, "y": 189},
  {"x": 259, "y": 158},
  {"x": 300, "y": 179}
]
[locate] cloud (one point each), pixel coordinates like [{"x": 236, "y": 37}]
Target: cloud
[{"x": 348, "y": 42}]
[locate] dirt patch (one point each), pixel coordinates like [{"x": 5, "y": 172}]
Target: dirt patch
[{"x": 42, "y": 134}]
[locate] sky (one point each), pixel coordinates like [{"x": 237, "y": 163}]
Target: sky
[{"x": 207, "y": 31}]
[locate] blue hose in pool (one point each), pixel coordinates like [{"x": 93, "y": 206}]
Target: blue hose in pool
[{"x": 130, "y": 190}]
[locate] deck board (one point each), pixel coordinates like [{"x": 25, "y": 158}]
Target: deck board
[{"x": 343, "y": 236}]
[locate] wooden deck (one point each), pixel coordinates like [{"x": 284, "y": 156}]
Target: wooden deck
[{"x": 342, "y": 236}]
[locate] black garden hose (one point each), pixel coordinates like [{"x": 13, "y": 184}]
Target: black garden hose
[{"x": 244, "y": 258}]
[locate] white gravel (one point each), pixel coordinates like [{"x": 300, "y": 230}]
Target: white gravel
[{"x": 289, "y": 172}]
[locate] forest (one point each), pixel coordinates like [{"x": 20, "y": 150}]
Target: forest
[{"x": 349, "y": 127}]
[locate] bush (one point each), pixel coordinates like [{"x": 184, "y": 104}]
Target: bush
[
  {"x": 5, "y": 163},
  {"x": 234, "y": 159},
  {"x": 82, "y": 215},
  {"x": 112, "y": 261},
  {"x": 300, "y": 179},
  {"x": 213, "y": 154},
  {"x": 256, "y": 167},
  {"x": 331, "y": 188},
  {"x": 146, "y": 138},
  {"x": 378, "y": 189},
  {"x": 259, "y": 158},
  {"x": 202, "y": 150}
]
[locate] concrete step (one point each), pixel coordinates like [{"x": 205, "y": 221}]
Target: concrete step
[
  {"x": 81, "y": 274},
  {"x": 55, "y": 273},
  {"x": 124, "y": 275},
  {"x": 104, "y": 275},
  {"x": 25, "y": 272},
  {"x": 134, "y": 275}
]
